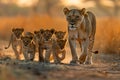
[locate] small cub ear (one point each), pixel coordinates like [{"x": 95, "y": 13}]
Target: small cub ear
[
  {"x": 22, "y": 29},
  {"x": 64, "y": 32},
  {"x": 83, "y": 11},
  {"x": 35, "y": 32},
  {"x": 13, "y": 29},
  {"x": 55, "y": 32},
  {"x": 52, "y": 31},
  {"x": 66, "y": 11},
  {"x": 42, "y": 31}
]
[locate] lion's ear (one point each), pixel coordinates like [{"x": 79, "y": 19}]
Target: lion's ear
[
  {"x": 83, "y": 11},
  {"x": 66, "y": 11},
  {"x": 13, "y": 29},
  {"x": 64, "y": 32},
  {"x": 22, "y": 29},
  {"x": 55, "y": 32},
  {"x": 35, "y": 32},
  {"x": 42, "y": 31},
  {"x": 52, "y": 30}
]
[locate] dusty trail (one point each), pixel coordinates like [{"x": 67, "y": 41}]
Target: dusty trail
[{"x": 105, "y": 67}]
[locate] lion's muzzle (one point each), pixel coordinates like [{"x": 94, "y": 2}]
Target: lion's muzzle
[{"x": 72, "y": 27}]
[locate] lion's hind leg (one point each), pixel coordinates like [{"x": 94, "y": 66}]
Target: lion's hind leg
[
  {"x": 89, "y": 56},
  {"x": 84, "y": 49}
]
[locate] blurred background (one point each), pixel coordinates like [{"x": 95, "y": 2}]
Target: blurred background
[
  {"x": 35, "y": 14},
  {"x": 54, "y": 7}
]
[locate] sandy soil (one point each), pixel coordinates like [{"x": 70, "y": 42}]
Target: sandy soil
[{"x": 105, "y": 67}]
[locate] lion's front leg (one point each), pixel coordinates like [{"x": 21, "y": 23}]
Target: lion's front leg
[
  {"x": 84, "y": 49},
  {"x": 54, "y": 51},
  {"x": 20, "y": 51},
  {"x": 25, "y": 53},
  {"x": 16, "y": 52},
  {"x": 47, "y": 55},
  {"x": 32, "y": 55},
  {"x": 41, "y": 58},
  {"x": 72, "y": 43}
]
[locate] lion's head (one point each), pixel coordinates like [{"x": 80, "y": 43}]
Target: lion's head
[
  {"x": 18, "y": 32},
  {"x": 26, "y": 40},
  {"x": 74, "y": 17},
  {"x": 47, "y": 34},
  {"x": 60, "y": 34},
  {"x": 38, "y": 34}
]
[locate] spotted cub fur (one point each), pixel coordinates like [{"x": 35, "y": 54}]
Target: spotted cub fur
[{"x": 28, "y": 47}]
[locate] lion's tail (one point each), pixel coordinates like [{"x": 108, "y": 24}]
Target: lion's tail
[{"x": 95, "y": 52}]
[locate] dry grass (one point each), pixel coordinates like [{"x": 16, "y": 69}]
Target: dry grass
[
  {"x": 107, "y": 33},
  {"x": 32, "y": 23}
]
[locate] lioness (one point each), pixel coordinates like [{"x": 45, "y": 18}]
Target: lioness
[{"x": 81, "y": 27}]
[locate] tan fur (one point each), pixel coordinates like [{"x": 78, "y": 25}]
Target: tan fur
[
  {"x": 81, "y": 28},
  {"x": 15, "y": 40}
]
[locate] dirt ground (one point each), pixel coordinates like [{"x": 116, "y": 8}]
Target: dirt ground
[{"x": 105, "y": 67}]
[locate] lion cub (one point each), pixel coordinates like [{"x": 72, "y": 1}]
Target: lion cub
[
  {"x": 38, "y": 38},
  {"x": 16, "y": 42},
  {"x": 29, "y": 47},
  {"x": 59, "y": 46},
  {"x": 44, "y": 41}
]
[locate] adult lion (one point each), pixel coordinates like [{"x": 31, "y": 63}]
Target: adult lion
[{"x": 81, "y": 27}]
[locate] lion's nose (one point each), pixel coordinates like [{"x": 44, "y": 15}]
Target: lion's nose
[{"x": 72, "y": 23}]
